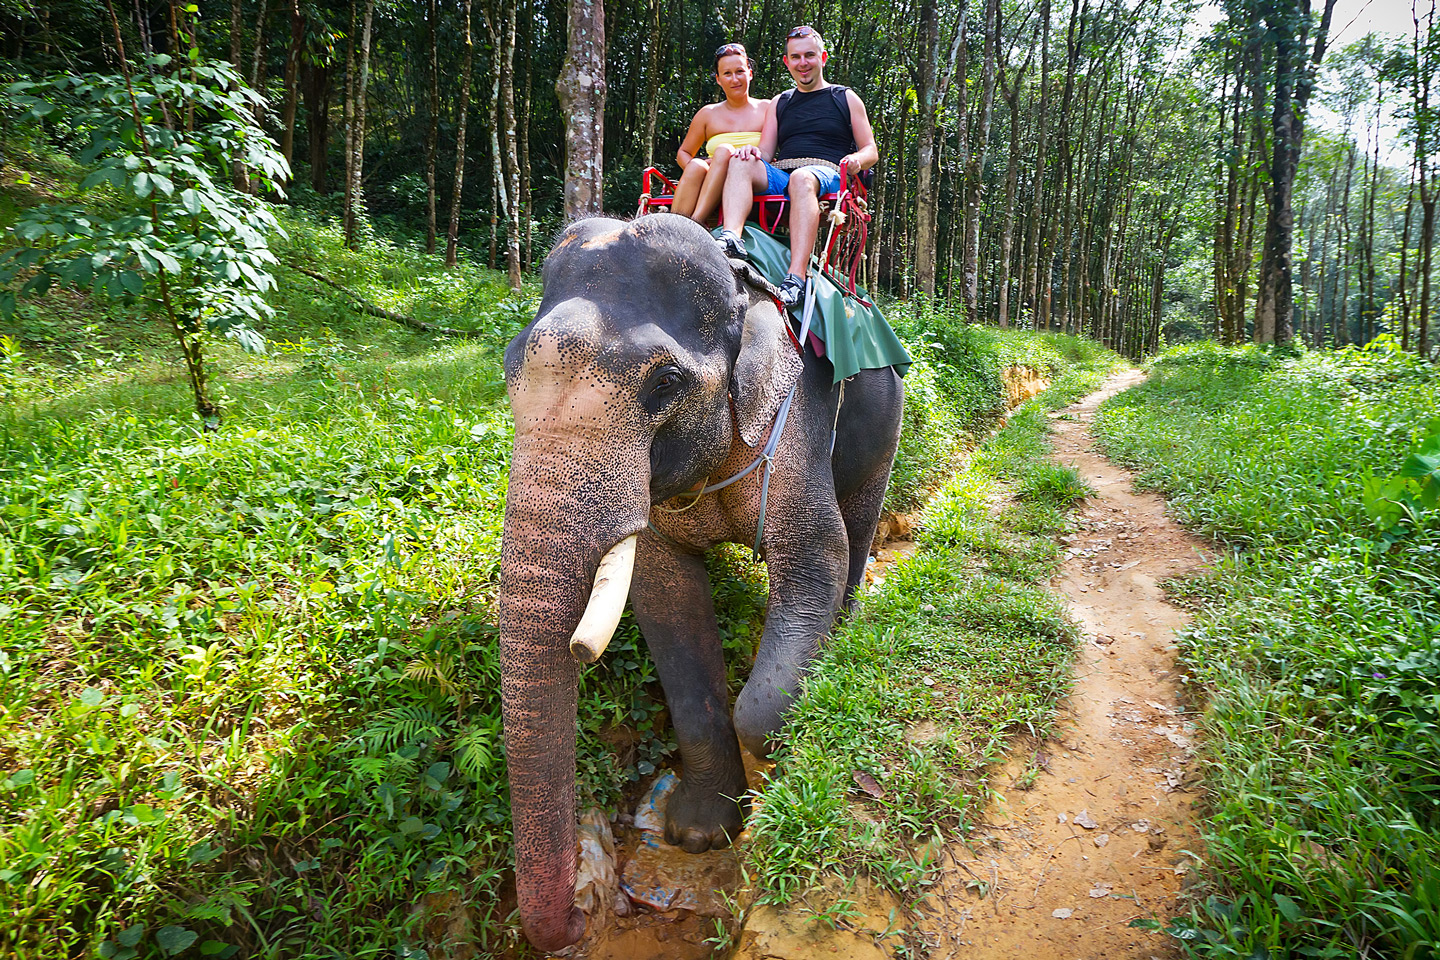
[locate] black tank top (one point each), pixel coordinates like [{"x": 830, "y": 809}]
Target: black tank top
[{"x": 814, "y": 125}]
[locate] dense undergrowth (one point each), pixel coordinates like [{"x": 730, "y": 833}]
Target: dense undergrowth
[
  {"x": 1316, "y": 644},
  {"x": 249, "y": 691},
  {"x": 959, "y": 649}
]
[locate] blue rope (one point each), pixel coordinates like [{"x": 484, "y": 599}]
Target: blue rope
[{"x": 784, "y": 414}]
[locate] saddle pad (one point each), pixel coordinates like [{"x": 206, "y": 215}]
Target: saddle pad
[{"x": 856, "y": 337}]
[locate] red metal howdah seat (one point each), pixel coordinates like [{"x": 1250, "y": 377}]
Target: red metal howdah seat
[{"x": 844, "y": 220}]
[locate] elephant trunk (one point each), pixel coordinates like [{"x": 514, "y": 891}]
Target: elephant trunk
[{"x": 559, "y": 521}]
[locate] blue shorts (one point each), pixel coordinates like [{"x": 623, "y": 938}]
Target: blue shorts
[{"x": 777, "y": 181}]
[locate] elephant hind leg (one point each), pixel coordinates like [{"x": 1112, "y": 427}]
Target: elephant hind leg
[{"x": 861, "y": 512}]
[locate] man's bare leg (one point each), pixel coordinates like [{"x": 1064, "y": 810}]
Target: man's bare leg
[
  {"x": 742, "y": 180},
  {"x": 804, "y": 221}
]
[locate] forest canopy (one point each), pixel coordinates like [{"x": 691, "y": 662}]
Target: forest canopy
[{"x": 1136, "y": 170}]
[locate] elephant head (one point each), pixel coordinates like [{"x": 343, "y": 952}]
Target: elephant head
[{"x": 622, "y": 391}]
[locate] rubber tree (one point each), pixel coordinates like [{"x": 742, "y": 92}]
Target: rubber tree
[{"x": 581, "y": 90}]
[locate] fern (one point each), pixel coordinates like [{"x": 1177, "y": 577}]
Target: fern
[
  {"x": 476, "y": 749},
  {"x": 435, "y": 670},
  {"x": 402, "y": 726}
]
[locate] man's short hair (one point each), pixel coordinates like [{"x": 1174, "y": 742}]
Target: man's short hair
[{"x": 804, "y": 31}]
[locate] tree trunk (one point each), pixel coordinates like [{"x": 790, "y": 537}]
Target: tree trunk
[
  {"x": 1029, "y": 293},
  {"x": 317, "y": 108},
  {"x": 491, "y": 15},
  {"x": 1342, "y": 317},
  {"x": 1401, "y": 290},
  {"x": 926, "y": 199},
  {"x": 1424, "y": 72},
  {"x": 1294, "y": 80},
  {"x": 257, "y": 63},
  {"x": 1012, "y": 176},
  {"x": 581, "y": 91},
  {"x": 292, "y": 83},
  {"x": 432, "y": 129},
  {"x": 355, "y": 206},
  {"x": 524, "y": 146},
  {"x": 652, "y": 76},
  {"x": 238, "y": 174},
  {"x": 453, "y": 242},
  {"x": 510, "y": 183},
  {"x": 347, "y": 212},
  {"x": 975, "y": 166}
]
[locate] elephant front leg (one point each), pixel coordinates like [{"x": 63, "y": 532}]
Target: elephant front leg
[
  {"x": 671, "y": 599},
  {"x": 807, "y": 561}
]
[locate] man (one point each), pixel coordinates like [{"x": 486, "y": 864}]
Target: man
[{"x": 809, "y": 132}]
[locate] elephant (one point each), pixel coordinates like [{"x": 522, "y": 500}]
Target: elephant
[{"x": 655, "y": 366}]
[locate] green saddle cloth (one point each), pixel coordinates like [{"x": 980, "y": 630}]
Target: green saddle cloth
[{"x": 856, "y": 337}]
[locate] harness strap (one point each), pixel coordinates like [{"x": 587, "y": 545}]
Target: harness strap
[{"x": 767, "y": 453}]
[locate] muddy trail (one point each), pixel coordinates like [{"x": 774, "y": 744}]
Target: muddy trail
[{"x": 1090, "y": 829}]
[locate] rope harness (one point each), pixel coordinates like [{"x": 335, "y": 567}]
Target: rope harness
[{"x": 767, "y": 453}]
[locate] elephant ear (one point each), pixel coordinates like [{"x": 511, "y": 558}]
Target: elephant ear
[{"x": 765, "y": 370}]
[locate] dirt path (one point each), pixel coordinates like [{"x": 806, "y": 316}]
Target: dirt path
[{"x": 1091, "y": 827}]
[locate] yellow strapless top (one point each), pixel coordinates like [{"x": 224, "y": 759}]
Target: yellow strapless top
[{"x": 745, "y": 138}]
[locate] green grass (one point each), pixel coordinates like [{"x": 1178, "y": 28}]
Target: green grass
[
  {"x": 925, "y": 687},
  {"x": 249, "y": 688},
  {"x": 1316, "y": 644}
]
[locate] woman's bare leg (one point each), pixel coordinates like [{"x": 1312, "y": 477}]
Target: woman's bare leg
[
  {"x": 687, "y": 191},
  {"x": 714, "y": 185}
]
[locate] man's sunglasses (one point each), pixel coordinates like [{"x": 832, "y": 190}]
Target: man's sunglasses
[{"x": 802, "y": 32}]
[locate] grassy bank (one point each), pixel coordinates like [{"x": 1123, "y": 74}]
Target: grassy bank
[
  {"x": 1316, "y": 644},
  {"x": 957, "y": 651}
]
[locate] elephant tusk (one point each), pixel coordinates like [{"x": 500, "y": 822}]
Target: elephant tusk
[{"x": 607, "y": 602}]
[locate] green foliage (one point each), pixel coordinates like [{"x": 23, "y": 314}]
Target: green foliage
[
  {"x": 1316, "y": 642},
  {"x": 1053, "y": 483},
  {"x": 164, "y": 225},
  {"x": 1406, "y": 500},
  {"x": 173, "y": 213}
]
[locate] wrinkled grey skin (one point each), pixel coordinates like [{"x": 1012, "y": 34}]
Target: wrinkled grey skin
[{"x": 622, "y": 393}]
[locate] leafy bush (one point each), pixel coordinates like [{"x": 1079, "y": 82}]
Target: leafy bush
[{"x": 174, "y": 231}]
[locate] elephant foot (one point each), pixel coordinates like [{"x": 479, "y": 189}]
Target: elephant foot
[{"x": 700, "y": 819}]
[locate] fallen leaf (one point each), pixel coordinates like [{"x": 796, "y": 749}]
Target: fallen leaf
[
  {"x": 1140, "y": 826},
  {"x": 1062, "y": 914},
  {"x": 1084, "y": 819},
  {"x": 1103, "y": 839},
  {"x": 868, "y": 784},
  {"x": 1100, "y": 890}
]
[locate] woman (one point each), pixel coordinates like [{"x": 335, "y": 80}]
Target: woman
[{"x": 721, "y": 127}]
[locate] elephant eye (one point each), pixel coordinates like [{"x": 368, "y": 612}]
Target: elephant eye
[{"x": 664, "y": 384}]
